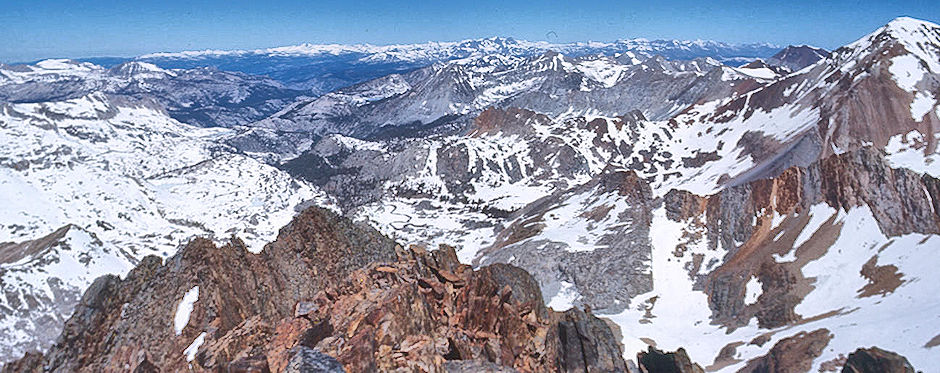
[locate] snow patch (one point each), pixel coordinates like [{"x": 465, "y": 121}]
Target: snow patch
[
  {"x": 752, "y": 290},
  {"x": 603, "y": 71},
  {"x": 184, "y": 309},
  {"x": 762, "y": 72},
  {"x": 922, "y": 104},
  {"x": 565, "y": 297},
  {"x": 818, "y": 213},
  {"x": 906, "y": 71},
  {"x": 907, "y": 151},
  {"x": 193, "y": 348}
]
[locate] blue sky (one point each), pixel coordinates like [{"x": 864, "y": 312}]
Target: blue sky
[{"x": 66, "y": 28}]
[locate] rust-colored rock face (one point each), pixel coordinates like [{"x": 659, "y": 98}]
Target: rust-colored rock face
[
  {"x": 327, "y": 293},
  {"x": 121, "y": 323},
  {"x": 794, "y": 354},
  {"x": 427, "y": 314},
  {"x": 896, "y": 196},
  {"x": 741, "y": 218},
  {"x": 509, "y": 121}
]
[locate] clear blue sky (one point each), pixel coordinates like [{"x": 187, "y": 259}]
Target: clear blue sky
[{"x": 68, "y": 28}]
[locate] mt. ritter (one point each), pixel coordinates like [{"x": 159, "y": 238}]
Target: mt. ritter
[{"x": 485, "y": 205}]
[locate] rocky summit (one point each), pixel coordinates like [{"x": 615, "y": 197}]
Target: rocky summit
[
  {"x": 330, "y": 294},
  {"x": 486, "y": 205}
]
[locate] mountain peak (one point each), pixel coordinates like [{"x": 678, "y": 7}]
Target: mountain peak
[
  {"x": 138, "y": 68},
  {"x": 501, "y": 39},
  {"x": 908, "y": 23},
  {"x": 919, "y": 39},
  {"x": 796, "y": 57},
  {"x": 64, "y": 64},
  {"x": 913, "y": 32}
]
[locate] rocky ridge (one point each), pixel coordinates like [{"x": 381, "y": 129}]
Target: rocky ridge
[
  {"x": 796, "y": 57},
  {"x": 331, "y": 295},
  {"x": 330, "y": 285}
]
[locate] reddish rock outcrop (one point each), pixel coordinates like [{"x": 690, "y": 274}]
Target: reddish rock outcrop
[
  {"x": 326, "y": 293},
  {"x": 793, "y": 354},
  {"x": 740, "y": 218}
]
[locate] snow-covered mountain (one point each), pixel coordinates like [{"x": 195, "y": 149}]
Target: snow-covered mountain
[
  {"x": 449, "y": 95},
  {"x": 322, "y": 68},
  {"x": 741, "y": 213},
  {"x": 876, "y": 91},
  {"x": 93, "y": 184},
  {"x": 794, "y": 213},
  {"x": 214, "y": 88},
  {"x": 439, "y": 51},
  {"x": 819, "y": 214},
  {"x": 204, "y": 97}
]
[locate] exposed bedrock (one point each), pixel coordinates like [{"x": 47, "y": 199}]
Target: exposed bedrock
[
  {"x": 741, "y": 219},
  {"x": 326, "y": 293}
]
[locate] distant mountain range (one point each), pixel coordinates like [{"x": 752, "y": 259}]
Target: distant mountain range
[
  {"x": 755, "y": 208},
  {"x": 321, "y": 68},
  {"x": 203, "y": 96},
  {"x": 450, "y": 94},
  {"x": 230, "y": 88}
]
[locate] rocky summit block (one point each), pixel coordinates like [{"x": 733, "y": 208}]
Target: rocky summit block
[
  {"x": 667, "y": 362},
  {"x": 328, "y": 294},
  {"x": 874, "y": 359}
]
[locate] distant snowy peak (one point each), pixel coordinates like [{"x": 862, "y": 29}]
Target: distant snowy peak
[
  {"x": 137, "y": 69},
  {"x": 64, "y": 64},
  {"x": 52, "y": 70},
  {"x": 412, "y": 52},
  {"x": 47, "y": 70},
  {"x": 494, "y": 45},
  {"x": 323, "y": 68}
]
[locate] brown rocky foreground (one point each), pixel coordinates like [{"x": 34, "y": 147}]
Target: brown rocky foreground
[
  {"x": 330, "y": 295},
  {"x": 327, "y": 293}
]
